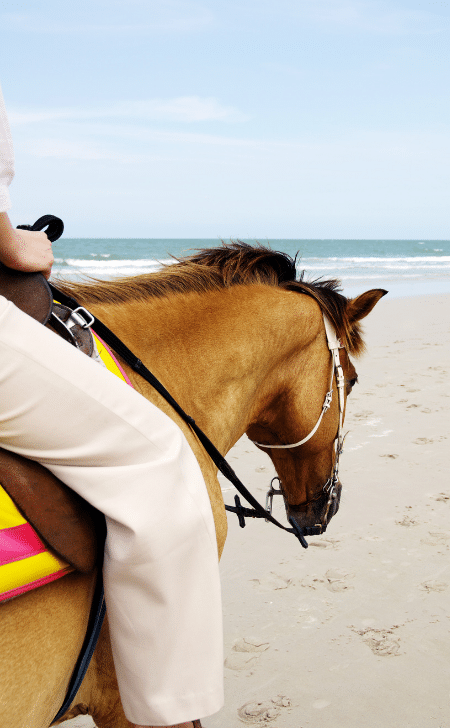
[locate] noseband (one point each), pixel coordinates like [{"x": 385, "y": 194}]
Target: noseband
[{"x": 330, "y": 487}]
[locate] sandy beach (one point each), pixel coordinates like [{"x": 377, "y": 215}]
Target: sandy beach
[{"x": 354, "y": 631}]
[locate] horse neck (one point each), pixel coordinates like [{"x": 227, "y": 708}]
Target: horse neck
[{"x": 221, "y": 354}]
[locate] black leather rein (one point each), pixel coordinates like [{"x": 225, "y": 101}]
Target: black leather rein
[{"x": 137, "y": 366}]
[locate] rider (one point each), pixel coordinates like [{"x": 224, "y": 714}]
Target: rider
[{"x": 132, "y": 462}]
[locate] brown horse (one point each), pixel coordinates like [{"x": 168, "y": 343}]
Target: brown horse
[{"x": 240, "y": 344}]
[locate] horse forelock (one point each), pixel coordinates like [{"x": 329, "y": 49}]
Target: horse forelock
[{"x": 231, "y": 264}]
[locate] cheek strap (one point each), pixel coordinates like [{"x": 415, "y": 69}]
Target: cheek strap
[{"x": 334, "y": 345}]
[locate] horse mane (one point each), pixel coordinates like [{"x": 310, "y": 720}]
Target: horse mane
[{"x": 231, "y": 264}]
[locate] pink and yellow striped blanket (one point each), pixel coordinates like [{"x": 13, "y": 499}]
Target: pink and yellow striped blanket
[{"x": 25, "y": 561}]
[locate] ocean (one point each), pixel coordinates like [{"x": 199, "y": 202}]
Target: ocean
[{"x": 404, "y": 267}]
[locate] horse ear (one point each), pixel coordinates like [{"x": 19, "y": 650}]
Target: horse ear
[{"x": 360, "y": 307}]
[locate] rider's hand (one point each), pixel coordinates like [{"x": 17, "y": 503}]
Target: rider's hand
[
  {"x": 30, "y": 252},
  {"x": 24, "y": 250}
]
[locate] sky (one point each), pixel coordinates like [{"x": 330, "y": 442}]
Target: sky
[{"x": 230, "y": 118}]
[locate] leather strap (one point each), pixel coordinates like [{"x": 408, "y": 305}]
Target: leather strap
[
  {"x": 76, "y": 334},
  {"x": 98, "y": 611},
  {"x": 54, "y": 225},
  {"x": 225, "y": 468}
]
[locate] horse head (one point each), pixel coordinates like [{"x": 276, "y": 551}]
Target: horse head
[
  {"x": 300, "y": 423},
  {"x": 281, "y": 349}
]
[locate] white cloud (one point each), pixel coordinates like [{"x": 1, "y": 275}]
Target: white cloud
[
  {"x": 396, "y": 17},
  {"x": 141, "y": 17},
  {"x": 34, "y": 117},
  {"x": 354, "y": 154},
  {"x": 198, "y": 185},
  {"x": 143, "y": 140},
  {"x": 183, "y": 109},
  {"x": 367, "y": 15},
  {"x": 109, "y": 16},
  {"x": 146, "y": 134},
  {"x": 81, "y": 151}
]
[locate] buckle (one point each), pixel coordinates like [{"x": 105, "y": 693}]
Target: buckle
[
  {"x": 270, "y": 494},
  {"x": 328, "y": 399},
  {"x": 80, "y": 317},
  {"x": 73, "y": 326}
]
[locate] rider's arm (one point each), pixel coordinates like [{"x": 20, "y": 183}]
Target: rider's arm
[{"x": 22, "y": 250}]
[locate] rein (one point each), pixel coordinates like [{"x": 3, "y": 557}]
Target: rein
[
  {"x": 73, "y": 328},
  {"x": 225, "y": 468}
]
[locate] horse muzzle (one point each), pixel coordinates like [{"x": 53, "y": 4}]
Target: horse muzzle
[{"x": 314, "y": 515}]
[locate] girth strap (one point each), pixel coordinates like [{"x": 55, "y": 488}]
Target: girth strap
[{"x": 98, "y": 611}]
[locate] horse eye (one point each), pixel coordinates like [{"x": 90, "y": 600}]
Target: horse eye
[{"x": 353, "y": 381}]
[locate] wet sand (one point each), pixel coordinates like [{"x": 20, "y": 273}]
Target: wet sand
[{"x": 354, "y": 631}]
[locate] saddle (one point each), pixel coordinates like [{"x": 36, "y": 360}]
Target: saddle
[{"x": 65, "y": 522}]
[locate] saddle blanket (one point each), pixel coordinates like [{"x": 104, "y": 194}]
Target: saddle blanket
[{"x": 25, "y": 561}]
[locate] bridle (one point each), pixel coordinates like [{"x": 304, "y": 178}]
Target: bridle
[
  {"x": 98, "y": 611},
  {"x": 257, "y": 510},
  {"x": 330, "y": 487}
]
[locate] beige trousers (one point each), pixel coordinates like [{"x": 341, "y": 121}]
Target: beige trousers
[{"x": 133, "y": 463}]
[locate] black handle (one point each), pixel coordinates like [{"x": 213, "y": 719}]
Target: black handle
[{"x": 54, "y": 225}]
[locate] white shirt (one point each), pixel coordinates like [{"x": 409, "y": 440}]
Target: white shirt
[{"x": 6, "y": 158}]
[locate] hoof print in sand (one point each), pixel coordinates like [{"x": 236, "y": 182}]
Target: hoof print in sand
[
  {"x": 264, "y": 712},
  {"x": 442, "y": 497},
  {"x": 325, "y": 543},
  {"x": 272, "y": 582},
  {"x": 436, "y": 538},
  {"x": 382, "y": 642},
  {"x": 250, "y": 644},
  {"x": 335, "y": 580},
  {"x": 434, "y": 586},
  {"x": 338, "y": 580},
  {"x": 245, "y": 652},
  {"x": 240, "y": 661},
  {"x": 407, "y": 521},
  {"x": 363, "y": 415}
]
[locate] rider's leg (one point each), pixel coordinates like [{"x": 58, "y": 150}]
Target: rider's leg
[{"x": 134, "y": 464}]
